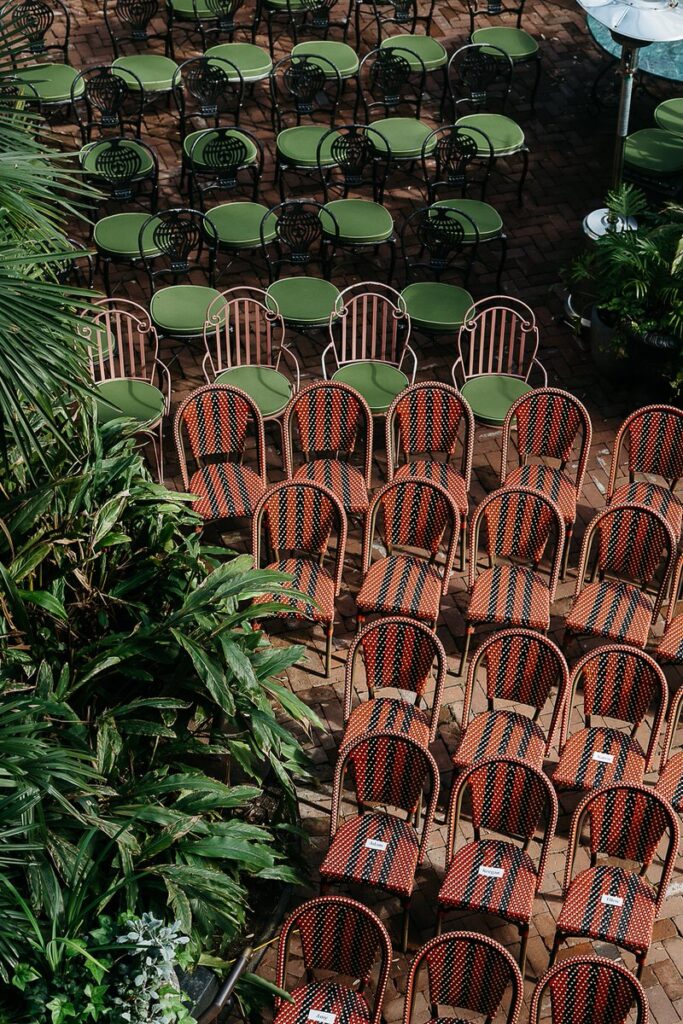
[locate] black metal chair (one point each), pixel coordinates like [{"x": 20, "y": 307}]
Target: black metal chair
[
  {"x": 107, "y": 99},
  {"x": 217, "y": 159},
  {"x": 41, "y": 29},
  {"x": 132, "y": 26},
  {"x": 393, "y": 81},
  {"x": 217, "y": 18},
  {"x": 519, "y": 45},
  {"x": 406, "y": 15}
]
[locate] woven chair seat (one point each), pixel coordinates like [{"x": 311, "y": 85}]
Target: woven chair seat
[
  {"x": 501, "y": 734},
  {"x": 599, "y": 757},
  {"x": 626, "y": 917},
  {"x": 374, "y": 849}
]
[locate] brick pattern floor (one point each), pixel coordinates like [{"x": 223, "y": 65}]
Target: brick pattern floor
[{"x": 570, "y": 142}]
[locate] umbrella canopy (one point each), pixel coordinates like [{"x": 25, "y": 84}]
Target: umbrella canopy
[{"x": 647, "y": 21}]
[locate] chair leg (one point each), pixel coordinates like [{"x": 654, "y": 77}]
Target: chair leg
[
  {"x": 565, "y": 554},
  {"x": 524, "y": 934},
  {"x": 439, "y": 922},
  {"x": 360, "y": 620},
  {"x": 406, "y": 925},
  {"x": 640, "y": 960},
  {"x": 328, "y": 650},
  {"x": 566, "y": 637},
  {"x": 525, "y": 169},
  {"x": 559, "y": 936},
  {"x": 463, "y": 545},
  {"x": 537, "y": 80},
  {"x": 469, "y": 630}
]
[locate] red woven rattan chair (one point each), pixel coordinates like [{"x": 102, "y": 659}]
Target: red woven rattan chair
[
  {"x": 607, "y": 902},
  {"x": 618, "y": 683},
  {"x": 423, "y": 427},
  {"x": 417, "y": 514},
  {"x": 522, "y": 668},
  {"x": 519, "y": 524},
  {"x": 299, "y": 518},
  {"x": 399, "y": 655},
  {"x": 494, "y": 875},
  {"x": 378, "y": 847},
  {"x": 548, "y": 422},
  {"x": 338, "y": 936},
  {"x": 654, "y": 438},
  {"x": 216, "y": 419},
  {"x": 465, "y": 971},
  {"x": 587, "y": 989},
  {"x": 670, "y": 648},
  {"x": 330, "y": 419},
  {"x": 670, "y": 782},
  {"x": 632, "y": 543}
]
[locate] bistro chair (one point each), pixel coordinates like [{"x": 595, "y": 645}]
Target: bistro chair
[
  {"x": 607, "y": 902},
  {"x": 342, "y": 56},
  {"x": 254, "y": 62},
  {"x": 105, "y": 99},
  {"x": 584, "y": 989},
  {"x": 619, "y": 683},
  {"x": 218, "y": 160},
  {"x": 519, "y": 525},
  {"x": 237, "y": 225},
  {"x": 405, "y": 15},
  {"x": 527, "y": 680},
  {"x": 215, "y": 18},
  {"x": 298, "y": 518},
  {"x": 129, "y": 378},
  {"x": 405, "y": 671},
  {"x": 497, "y": 876},
  {"x": 633, "y": 542},
  {"x": 513, "y": 40},
  {"x": 425, "y": 425},
  {"x": 421, "y": 516},
  {"x": 341, "y": 938},
  {"x": 464, "y": 971},
  {"x": 41, "y": 29},
  {"x": 670, "y": 647},
  {"x": 548, "y": 423},
  {"x": 393, "y": 80},
  {"x": 670, "y": 781},
  {"x": 382, "y": 848},
  {"x": 653, "y": 160},
  {"x": 133, "y": 24},
  {"x": 497, "y": 349},
  {"x": 295, "y": 18},
  {"x": 217, "y": 419}
]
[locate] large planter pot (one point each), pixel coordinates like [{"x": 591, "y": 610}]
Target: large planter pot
[
  {"x": 656, "y": 356},
  {"x": 608, "y": 356}
]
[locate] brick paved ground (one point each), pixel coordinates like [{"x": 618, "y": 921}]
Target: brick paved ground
[{"x": 570, "y": 142}]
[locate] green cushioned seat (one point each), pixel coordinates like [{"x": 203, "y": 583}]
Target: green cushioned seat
[
  {"x": 669, "y": 115},
  {"x": 504, "y": 134},
  {"x": 405, "y": 136},
  {"x": 88, "y": 155},
  {"x": 436, "y": 306},
  {"x": 654, "y": 151},
  {"x": 378, "y": 382},
  {"x": 341, "y": 55},
  {"x": 239, "y": 224},
  {"x": 282, "y": 5},
  {"x": 253, "y": 61},
  {"x": 269, "y": 388},
  {"x": 137, "y": 399},
  {"x": 515, "y": 42},
  {"x": 304, "y": 300},
  {"x": 120, "y": 233},
  {"x": 430, "y": 51},
  {"x": 190, "y": 140},
  {"x": 491, "y": 395},
  {"x": 361, "y": 220},
  {"x": 186, "y": 9},
  {"x": 487, "y": 219},
  {"x": 299, "y": 145},
  {"x": 154, "y": 71},
  {"x": 52, "y": 82},
  {"x": 181, "y": 308}
]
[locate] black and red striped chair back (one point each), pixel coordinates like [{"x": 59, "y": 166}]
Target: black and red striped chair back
[
  {"x": 428, "y": 417},
  {"x": 628, "y": 822},
  {"x": 548, "y": 422},
  {"x": 521, "y": 666},
  {"x": 216, "y": 418},
  {"x": 508, "y": 796},
  {"x": 587, "y": 989},
  {"x": 619, "y": 682},
  {"x": 300, "y": 516},
  {"x": 416, "y": 513},
  {"x": 398, "y": 653},
  {"x": 391, "y": 770},
  {"x": 328, "y": 417},
  {"x": 519, "y": 524},
  {"x": 655, "y": 441},
  {"x": 632, "y": 540}
]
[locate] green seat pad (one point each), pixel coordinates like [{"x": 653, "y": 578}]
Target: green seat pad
[
  {"x": 52, "y": 82},
  {"x": 182, "y": 308},
  {"x": 669, "y": 115},
  {"x": 186, "y": 9},
  {"x": 137, "y": 399},
  {"x": 405, "y": 136},
  {"x": 361, "y": 220},
  {"x": 120, "y": 233},
  {"x": 430, "y": 51},
  {"x": 344, "y": 58},
  {"x": 300, "y": 145},
  {"x": 436, "y": 306},
  {"x": 154, "y": 71},
  {"x": 378, "y": 382},
  {"x": 304, "y": 300},
  {"x": 282, "y": 5},
  {"x": 504, "y": 134},
  {"x": 654, "y": 151},
  {"x": 517, "y": 43},
  {"x": 489, "y": 222},
  {"x": 190, "y": 140},
  {"x": 253, "y": 61},
  {"x": 239, "y": 224},
  {"x": 88, "y": 155},
  {"x": 269, "y": 388},
  {"x": 491, "y": 395}
]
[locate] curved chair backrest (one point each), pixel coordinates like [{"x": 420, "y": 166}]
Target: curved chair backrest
[
  {"x": 122, "y": 341},
  {"x": 654, "y": 437},
  {"x": 370, "y": 321},
  {"x": 448, "y": 152},
  {"x": 222, "y": 17},
  {"x": 425, "y": 419},
  {"x": 416, "y": 513},
  {"x": 179, "y": 237},
  {"x": 466, "y": 971},
  {"x": 298, "y": 232},
  {"x": 674, "y": 720},
  {"x": 107, "y": 98},
  {"x": 432, "y": 239},
  {"x": 207, "y": 89},
  {"x": 392, "y": 78},
  {"x": 304, "y": 86},
  {"x": 39, "y": 26},
  {"x": 632, "y": 541},
  {"x": 360, "y": 154},
  {"x": 242, "y": 329},
  {"x": 585, "y": 989},
  {"x": 499, "y": 335},
  {"x": 121, "y": 168},
  {"x": 475, "y": 69},
  {"x": 330, "y": 417}
]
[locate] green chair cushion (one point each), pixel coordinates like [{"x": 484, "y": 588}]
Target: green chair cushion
[
  {"x": 52, "y": 82},
  {"x": 378, "y": 382},
  {"x": 491, "y": 395},
  {"x": 504, "y": 134},
  {"x": 430, "y": 51},
  {"x": 489, "y": 222},
  {"x": 137, "y": 399},
  {"x": 190, "y": 140},
  {"x": 436, "y": 306},
  {"x": 344, "y": 58},
  {"x": 405, "y": 136},
  {"x": 186, "y": 9},
  {"x": 669, "y": 115},
  {"x": 154, "y": 71},
  {"x": 269, "y": 388},
  {"x": 361, "y": 220},
  {"x": 304, "y": 300},
  {"x": 181, "y": 308},
  {"x": 654, "y": 151},
  {"x": 282, "y": 5},
  {"x": 253, "y": 61},
  {"x": 239, "y": 224},
  {"x": 120, "y": 233},
  {"x": 88, "y": 155},
  {"x": 299, "y": 145},
  {"x": 517, "y": 43}
]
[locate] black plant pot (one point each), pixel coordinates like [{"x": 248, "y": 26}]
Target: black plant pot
[
  {"x": 656, "y": 356},
  {"x": 611, "y": 358}
]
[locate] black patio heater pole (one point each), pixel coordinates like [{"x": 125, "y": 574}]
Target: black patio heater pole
[{"x": 627, "y": 70}]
